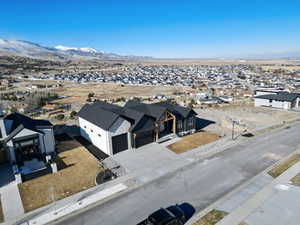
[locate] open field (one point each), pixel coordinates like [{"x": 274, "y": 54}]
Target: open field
[
  {"x": 278, "y": 170},
  {"x": 218, "y": 61},
  {"x": 77, "y": 172},
  {"x": 78, "y": 93},
  {"x": 282, "y": 67},
  {"x": 250, "y": 117},
  {"x": 192, "y": 141}
]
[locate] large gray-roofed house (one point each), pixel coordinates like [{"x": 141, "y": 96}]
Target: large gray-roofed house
[{"x": 113, "y": 128}]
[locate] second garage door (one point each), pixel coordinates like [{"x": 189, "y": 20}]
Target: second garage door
[
  {"x": 144, "y": 138},
  {"x": 119, "y": 143}
]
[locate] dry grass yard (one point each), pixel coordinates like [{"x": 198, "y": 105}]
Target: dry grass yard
[
  {"x": 211, "y": 218},
  {"x": 192, "y": 141},
  {"x": 296, "y": 180},
  {"x": 77, "y": 172},
  {"x": 278, "y": 170}
]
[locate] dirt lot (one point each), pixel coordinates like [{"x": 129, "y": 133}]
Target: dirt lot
[
  {"x": 248, "y": 115},
  {"x": 192, "y": 141},
  {"x": 77, "y": 172}
]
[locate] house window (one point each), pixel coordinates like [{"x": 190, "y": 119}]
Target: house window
[
  {"x": 99, "y": 135},
  {"x": 179, "y": 124},
  {"x": 270, "y": 100},
  {"x": 191, "y": 122}
]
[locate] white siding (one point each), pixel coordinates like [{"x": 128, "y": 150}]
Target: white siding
[
  {"x": 95, "y": 134},
  {"x": 275, "y": 104},
  {"x": 104, "y": 141},
  {"x": 49, "y": 140}
]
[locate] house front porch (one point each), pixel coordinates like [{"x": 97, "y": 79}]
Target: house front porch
[{"x": 28, "y": 154}]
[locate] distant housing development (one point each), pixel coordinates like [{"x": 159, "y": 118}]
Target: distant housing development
[
  {"x": 277, "y": 99},
  {"x": 114, "y": 129}
]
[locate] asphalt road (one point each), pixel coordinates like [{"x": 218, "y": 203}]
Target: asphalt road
[{"x": 199, "y": 185}]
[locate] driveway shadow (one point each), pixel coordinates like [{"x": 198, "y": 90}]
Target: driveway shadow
[
  {"x": 202, "y": 123},
  {"x": 7, "y": 175}
]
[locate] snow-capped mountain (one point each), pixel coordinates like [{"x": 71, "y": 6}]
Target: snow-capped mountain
[
  {"x": 28, "y": 49},
  {"x": 33, "y": 50},
  {"x": 88, "y": 50}
]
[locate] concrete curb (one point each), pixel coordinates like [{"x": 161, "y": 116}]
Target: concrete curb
[
  {"x": 214, "y": 205},
  {"x": 68, "y": 209}
]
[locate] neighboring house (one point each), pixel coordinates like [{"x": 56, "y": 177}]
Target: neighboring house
[
  {"x": 280, "y": 100},
  {"x": 114, "y": 129},
  {"x": 28, "y": 143}
]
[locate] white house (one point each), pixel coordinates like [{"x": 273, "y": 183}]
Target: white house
[
  {"x": 280, "y": 100},
  {"x": 102, "y": 136},
  {"x": 27, "y": 143}
]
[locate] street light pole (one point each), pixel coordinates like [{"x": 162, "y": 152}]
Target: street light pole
[{"x": 234, "y": 122}]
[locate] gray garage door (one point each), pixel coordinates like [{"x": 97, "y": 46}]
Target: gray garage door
[
  {"x": 119, "y": 143},
  {"x": 144, "y": 138}
]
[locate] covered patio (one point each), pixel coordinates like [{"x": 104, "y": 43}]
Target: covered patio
[{"x": 29, "y": 156}]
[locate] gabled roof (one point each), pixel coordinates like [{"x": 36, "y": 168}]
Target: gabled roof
[
  {"x": 31, "y": 124},
  {"x": 19, "y": 122},
  {"x": 97, "y": 115},
  {"x": 155, "y": 111},
  {"x": 281, "y": 96},
  {"x": 176, "y": 109}
]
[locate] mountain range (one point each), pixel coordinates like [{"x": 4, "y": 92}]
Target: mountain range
[{"x": 33, "y": 50}]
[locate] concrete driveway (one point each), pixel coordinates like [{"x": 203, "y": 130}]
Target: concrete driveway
[{"x": 10, "y": 196}]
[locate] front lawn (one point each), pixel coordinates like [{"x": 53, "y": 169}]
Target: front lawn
[
  {"x": 192, "y": 141},
  {"x": 77, "y": 172}
]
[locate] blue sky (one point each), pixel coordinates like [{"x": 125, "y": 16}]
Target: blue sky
[{"x": 165, "y": 28}]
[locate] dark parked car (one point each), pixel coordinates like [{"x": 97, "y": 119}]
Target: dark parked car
[{"x": 173, "y": 215}]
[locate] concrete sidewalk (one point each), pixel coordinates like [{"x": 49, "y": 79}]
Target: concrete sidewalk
[
  {"x": 242, "y": 212},
  {"x": 10, "y": 196}
]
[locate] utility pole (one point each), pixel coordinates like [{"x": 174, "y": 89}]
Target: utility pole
[{"x": 235, "y": 122}]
